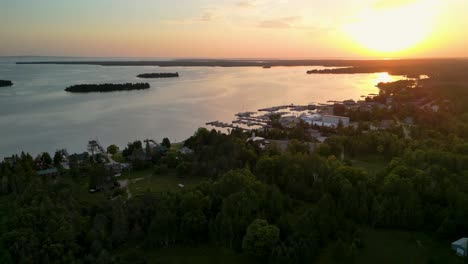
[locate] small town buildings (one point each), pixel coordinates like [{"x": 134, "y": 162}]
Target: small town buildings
[
  {"x": 326, "y": 109},
  {"x": 325, "y": 120},
  {"x": 310, "y": 119},
  {"x": 461, "y": 246},
  {"x": 10, "y": 160},
  {"x": 349, "y": 102},
  {"x": 289, "y": 121},
  {"x": 335, "y": 120}
]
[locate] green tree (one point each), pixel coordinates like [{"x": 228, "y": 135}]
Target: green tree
[
  {"x": 295, "y": 146},
  {"x": 58, "y": 158},
  {"x": 260, "y": 238},
  {"x": 166, "y": 143},
  {"x": 46, "y": 158},
  {"x": 112, "y": 149},
  {"x": 183, "y": 169}
]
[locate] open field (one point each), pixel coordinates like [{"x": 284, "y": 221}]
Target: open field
[
  {"x": 143, "y": 181},
  {"x": 203, "y": 253},
  {"x": 370, "y": 164},
  {"x": 387, "y": 246}
]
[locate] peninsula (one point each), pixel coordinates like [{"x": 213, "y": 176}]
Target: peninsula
[
  {"x": 106, "y": 87},
  {"x": 4, "y": 83},
  {"x": 158, "y": 75}
]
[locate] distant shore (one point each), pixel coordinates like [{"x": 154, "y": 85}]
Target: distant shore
[
  {"x": 204, "y": 63},
  {"x": 408, "y": 67}
]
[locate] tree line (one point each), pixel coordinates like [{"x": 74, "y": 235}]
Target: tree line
[
  {"x": 159, "y": 75},
  {"x": 4, "y": 83},
  {"x": 106, "y": 87}
]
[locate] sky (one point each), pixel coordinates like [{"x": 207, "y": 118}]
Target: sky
[{"x": 235, "y": 28}]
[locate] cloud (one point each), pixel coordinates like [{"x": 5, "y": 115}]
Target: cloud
[
  {"x": 283, "y": 22},
  {"x": 209, "y": 16},
  {"x": 382, "y": 4},
  {"x": 245, "y": 4}
]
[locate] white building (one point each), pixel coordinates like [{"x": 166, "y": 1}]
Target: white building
[
  {"x": 325, "y": 120},
  {"x": 335, "y": 120},
  {"x": 309, "y": 119}
]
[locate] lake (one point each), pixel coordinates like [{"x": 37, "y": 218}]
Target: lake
[{"x": 36, "y": 114}]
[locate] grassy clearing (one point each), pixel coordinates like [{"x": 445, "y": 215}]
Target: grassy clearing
[
  {"x": 371, "y": 164},
  {"x": 143, "y": 181},
  {"x": 204, "y": 253},
  {"x": 385, "y": 246},
  {"x": 177, "y": 146},
  {"x": 81, "y": 189}
]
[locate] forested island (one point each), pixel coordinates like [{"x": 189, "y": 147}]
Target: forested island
[
  {"x": 159, "y": 75},
  {"x": 391, "y": 186},
  {"x": 4, "y": 83},
  {"x": 106, "y": 87}
]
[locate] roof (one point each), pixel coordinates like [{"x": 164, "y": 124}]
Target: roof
[
  {"x": 48, "y": 171},
  {"x": 255, "y": 139},
  {"x": 335, "y": 116},
  {"x": 463, "y": 242}
]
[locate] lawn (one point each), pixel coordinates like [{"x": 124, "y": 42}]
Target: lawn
[
  {"x": 143, "y": 181},
  {"x": 371, "y": 164},
  {"x": 81, "y": 189},
  {"x": 203, "y": 253},
  {"x": 385, "y": 246}
]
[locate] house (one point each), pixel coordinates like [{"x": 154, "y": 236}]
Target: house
[
  {"x": 48, "y": 172},
  {"x": 10, "y": 160},
  {"x": 309, "y": 119},
  {"x": 261, "y": 142},
  {"x": 186, "y": 151},
  {"x": 461, "y": 246}
]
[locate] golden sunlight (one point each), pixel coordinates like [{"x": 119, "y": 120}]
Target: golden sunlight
[
  {"x": 383, "y": 77},
  {"x": 394, "y": 29}
]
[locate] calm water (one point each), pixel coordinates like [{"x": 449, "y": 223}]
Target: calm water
[{"x": 36, "y": 114}]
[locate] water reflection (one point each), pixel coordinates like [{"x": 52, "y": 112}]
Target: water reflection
[
  {"x": 37, "y": 115},
  {"x": 384, "y": 77}
]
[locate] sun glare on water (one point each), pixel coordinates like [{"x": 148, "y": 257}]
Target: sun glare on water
[
  {"x": 383, "y": 77},
  {"x": 392, "y": 29}
]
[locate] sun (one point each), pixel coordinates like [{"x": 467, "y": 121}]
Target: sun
[{"x": 394, "y": 29}]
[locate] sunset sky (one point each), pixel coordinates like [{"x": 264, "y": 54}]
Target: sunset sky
[{"x": 235, "y": 28}]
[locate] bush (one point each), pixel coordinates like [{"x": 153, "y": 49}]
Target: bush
[
  {"x": 160, "y": 169},
  {"x": 183, "y": 169}
]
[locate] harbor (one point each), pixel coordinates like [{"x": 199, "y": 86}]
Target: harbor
[{"x": 262, "y": 118}]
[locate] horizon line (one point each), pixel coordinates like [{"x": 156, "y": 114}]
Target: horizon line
[{"x": 231, "y": 58}]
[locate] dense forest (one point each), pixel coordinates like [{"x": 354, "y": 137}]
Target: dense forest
[
  {"x": 159, "y": 75},
  {"x": 266, "y": 205},
  {"x": 106, "y": 87},
  {"x": 4, "y": 83}
]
